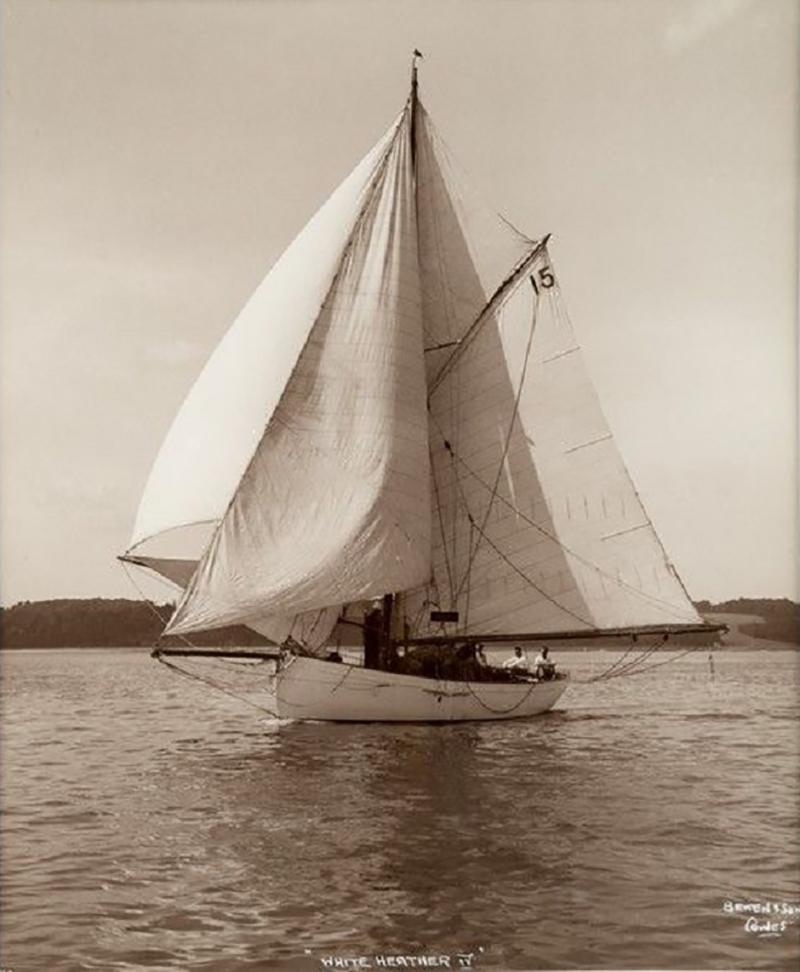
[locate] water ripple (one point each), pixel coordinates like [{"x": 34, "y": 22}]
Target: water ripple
[{"x": 167, "y": 829}]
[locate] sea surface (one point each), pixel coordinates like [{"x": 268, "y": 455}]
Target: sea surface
[{"x": 151, "y": 823}]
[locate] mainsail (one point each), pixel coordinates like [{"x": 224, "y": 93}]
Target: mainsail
[{"x": 411, "y": 414}]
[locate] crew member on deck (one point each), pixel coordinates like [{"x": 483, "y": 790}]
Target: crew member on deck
[
  {"x": 543, "y": 668},
  {"x": 518, "y": 661},
  {"x": 373, "y": 635}
]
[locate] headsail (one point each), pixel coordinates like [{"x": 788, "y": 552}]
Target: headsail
[{"x": 334, "y": 505}]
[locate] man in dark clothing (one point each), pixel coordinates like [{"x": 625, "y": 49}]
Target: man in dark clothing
[{"x": 373, "y": 636}]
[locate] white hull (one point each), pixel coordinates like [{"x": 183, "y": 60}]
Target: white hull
[{"x": 307, "y": 688}]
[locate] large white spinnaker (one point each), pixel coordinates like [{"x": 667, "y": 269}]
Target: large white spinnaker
[
  {"x": 219, "y": 425},
  {"x": 334, "y": 505}
]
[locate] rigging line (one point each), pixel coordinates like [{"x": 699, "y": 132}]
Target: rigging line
[
  {"x": 620, "y": 664},
  {"x": 441, "y": 527},
  {"x": 161, "y": 533},
  {"x": 469, "y": 584},
  {"x": 426, "y": 602},
  {"x": 506, "y": 445},
  {"x": 342, "y": 680},
  {"x": 231, "y": 665},
  {"x": 491, "y": 708},
  {"x": 491, "y": 306},
  {"x": 171, "y": 585},
  {"x": 460, "y": 176},
  {"x": 634, "y": 667},
  {"x": 618, "y": 667},
  {"x": 634, "y": 663},
  {"x": 153, "y": 608},
  {"x": 503, "y": 556},
  {"x": 448, "y": 293},
  {"x": 666, "y": 661},
  {"x": 656, "y": 601},
  {"x": 193, "y": 676},
  {"x": 448, "y": 303},
  {"x": 612, "y": 666},
  {"x": 535, "y": 586}
]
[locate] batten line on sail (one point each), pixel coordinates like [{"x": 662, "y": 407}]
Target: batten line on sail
[
  {"x": 621, "y": 533},
  {"x": 591, "y": 442},
  {"x": 560, "y": 354}
]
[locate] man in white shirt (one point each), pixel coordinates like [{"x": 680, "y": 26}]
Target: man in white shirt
[
  {"x": 518, "y": 662},
  {"x": 543, "y": 668}
]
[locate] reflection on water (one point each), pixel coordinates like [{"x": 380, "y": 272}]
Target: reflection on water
[{"x": 151, "y": 824}]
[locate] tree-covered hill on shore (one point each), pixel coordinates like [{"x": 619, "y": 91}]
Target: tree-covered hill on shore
[
  {"x": 776, "y": 619},
  {"x": 100, "y": 623}
]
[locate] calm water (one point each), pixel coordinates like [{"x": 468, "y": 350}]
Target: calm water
[{"x": 151, "y": 824}]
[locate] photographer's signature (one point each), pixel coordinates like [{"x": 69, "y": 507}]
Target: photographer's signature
[{"x": 764, "y": 919}]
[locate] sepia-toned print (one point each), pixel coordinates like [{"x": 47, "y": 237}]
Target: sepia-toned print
[{"x": 398, "y": 549}]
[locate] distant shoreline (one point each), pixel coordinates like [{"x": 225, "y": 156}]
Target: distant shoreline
[
  {"x": 555, "y": 649},
  {"x": 755, "y": 624}
]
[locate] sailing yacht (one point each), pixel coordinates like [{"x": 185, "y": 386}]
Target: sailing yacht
[{"x": 400, "y": 425}]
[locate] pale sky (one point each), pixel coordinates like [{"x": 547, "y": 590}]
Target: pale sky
[{"x": 158, "y": 156}]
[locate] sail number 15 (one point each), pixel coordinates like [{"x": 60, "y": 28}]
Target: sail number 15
[{"x": 546, "y": 280}]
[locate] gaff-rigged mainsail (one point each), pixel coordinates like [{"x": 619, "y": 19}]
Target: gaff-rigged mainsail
[
  {"x": 539, "y": 524},
  {"x": 411, "y": 414}
]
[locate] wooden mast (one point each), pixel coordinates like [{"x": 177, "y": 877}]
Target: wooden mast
[
  {"x": 389, "y": 601},
  {"x": 412, "y": 104}
]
